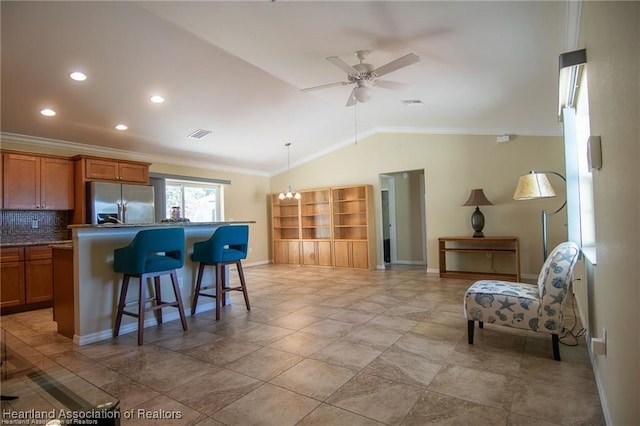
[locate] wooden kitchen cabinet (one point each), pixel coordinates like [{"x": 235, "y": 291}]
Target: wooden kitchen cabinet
[
  {"x": 89, "y": 169},
  {"x": 121, "y": 171},
  {"x": 27, "y": 278},
  {"x": 11, "y": 277},
  {"x": 38, "y": 274},
  {"x": 37, "y": 182}
]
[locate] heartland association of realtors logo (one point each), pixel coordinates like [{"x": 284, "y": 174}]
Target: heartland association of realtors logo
[{"x": 89, "y": 417}]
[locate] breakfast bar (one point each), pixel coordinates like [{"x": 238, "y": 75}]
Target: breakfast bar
[{"x": 96, "y": 286}]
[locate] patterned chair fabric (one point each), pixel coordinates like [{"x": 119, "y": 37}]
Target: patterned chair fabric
[{"x": 537, "y": 307}]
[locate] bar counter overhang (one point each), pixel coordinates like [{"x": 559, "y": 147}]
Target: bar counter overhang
[{"x": 96, "y": 286}]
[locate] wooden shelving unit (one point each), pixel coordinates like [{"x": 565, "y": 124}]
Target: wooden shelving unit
[
  {"x": 476, "y": 247},
  {"x": 326, "y": 227},
  {"x": 286, "y": 230},
  {"x": 352, "y": 226},
  {"x": 315, "y": 215}
]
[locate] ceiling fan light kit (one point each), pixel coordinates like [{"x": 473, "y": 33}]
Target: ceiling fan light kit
[{"x": 365, "y": 76}]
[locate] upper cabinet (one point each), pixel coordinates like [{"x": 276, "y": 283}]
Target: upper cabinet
[
  {"x": 89, "y": 169},
  {"x": 117, "y": 170},
  {"x": 37, "y": 182}
]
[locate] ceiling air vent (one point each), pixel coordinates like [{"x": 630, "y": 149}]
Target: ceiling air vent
[
  {"x": 199, "y": 134},
  {"x": 412, "y": 102}
]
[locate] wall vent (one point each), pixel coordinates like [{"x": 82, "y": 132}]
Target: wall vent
[
  {"x": 199, "y": 134},
  {"x": 412, "y": 102}
]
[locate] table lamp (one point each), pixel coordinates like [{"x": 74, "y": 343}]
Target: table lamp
[{"x": 477, "y": 198}]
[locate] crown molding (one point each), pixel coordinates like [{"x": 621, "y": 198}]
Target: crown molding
[{"x": 79, "y": 148}]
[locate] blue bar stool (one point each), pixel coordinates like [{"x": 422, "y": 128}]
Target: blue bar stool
[
  {"x": 151, "y": 254},
  {"x": 228, "y": 245}
]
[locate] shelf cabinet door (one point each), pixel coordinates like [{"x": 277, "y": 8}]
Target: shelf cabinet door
[
  {"x": 32, "y": 182},
  {"x": 316, "y": 253},
  {"x": 286, "y": 252},
  {"x": 56, "y": 189},
  {"x": 21, "y": 182},
  {"x": 38, "y": 274},
  {"x": 129, "y": 172},
  {"x": 38, "y": 280},
  {"x": 12, "y": 284},
  {"x": 105, "y": 169}
]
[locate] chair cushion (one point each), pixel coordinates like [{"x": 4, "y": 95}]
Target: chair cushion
[
  {"x": 158, "y": 262},
  {"x": 231, "y": 255},
  {"x": 503, "y": 303}
]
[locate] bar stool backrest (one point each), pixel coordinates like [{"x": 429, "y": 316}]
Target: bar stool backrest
[
  {"x": 142, "y": 254},
  {"x": 227, "y": 244}
]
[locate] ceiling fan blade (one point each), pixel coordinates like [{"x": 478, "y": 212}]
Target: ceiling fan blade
[
  {"x": 342, "y": 65},
  {"x": 392, "y": 85},
  {"x": 325, "y": 86},
  {"x": 406, "y": 60},
  {"x": 352, "y": 98}
]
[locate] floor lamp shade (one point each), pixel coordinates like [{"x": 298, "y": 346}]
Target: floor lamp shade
[
  {"x": 536, "y": 185},
  {"x": 477, "y": 198},
  {"x": 533, "y": 185}
]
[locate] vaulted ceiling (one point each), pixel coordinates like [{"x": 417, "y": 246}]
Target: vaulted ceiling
[{"x": 237, "y": 69}]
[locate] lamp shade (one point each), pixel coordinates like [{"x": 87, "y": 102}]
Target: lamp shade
[
  {"x": 533, "y": 185},
  {"x": 477, "y": 198}
]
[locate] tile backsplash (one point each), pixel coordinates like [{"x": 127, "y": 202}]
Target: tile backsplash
[{"x": 20, "y": 225}]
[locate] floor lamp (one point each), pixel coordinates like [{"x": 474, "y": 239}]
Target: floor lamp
[{"x": 536, "y": 185}]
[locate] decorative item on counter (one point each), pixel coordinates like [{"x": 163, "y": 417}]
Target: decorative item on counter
[{"x": 175, "y": 212}]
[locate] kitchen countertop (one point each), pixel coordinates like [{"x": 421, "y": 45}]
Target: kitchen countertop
[
  {"x": 149, "y": 225},
  {"x": 22, "y": 243}
]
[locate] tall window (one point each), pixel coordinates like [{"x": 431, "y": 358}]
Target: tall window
[
  {"x": 198, "y": 202},
  {"x": 579, "y": 177}
]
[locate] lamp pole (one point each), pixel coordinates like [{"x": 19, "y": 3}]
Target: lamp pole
[{"x": 545, "y": 214}]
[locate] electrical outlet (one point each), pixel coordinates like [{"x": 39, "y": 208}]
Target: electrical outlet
[
  {"x": 180, "y": 282},
  {"x": 599, "y": 345},
  {"x": 34, "y": 224}
]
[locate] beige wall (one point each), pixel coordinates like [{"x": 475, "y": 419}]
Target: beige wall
[
  {"x": 610, "y": 33},
  {"x": 453, "y": 165}
]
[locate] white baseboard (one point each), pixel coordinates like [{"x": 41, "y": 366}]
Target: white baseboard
[
  {"x": 603, "y": 397},
  {"x": 133, "y": 326}
]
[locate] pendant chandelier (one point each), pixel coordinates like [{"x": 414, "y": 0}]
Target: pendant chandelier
[{"x": 288, "y": 194}]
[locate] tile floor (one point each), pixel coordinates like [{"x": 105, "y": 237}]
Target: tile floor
[{"x": 334, "y": 347}]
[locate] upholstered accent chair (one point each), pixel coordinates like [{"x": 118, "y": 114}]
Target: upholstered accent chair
[{"x": 536, "y": 307}]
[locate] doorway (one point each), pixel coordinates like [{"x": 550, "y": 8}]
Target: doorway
[{"x": 403, "y": 218}]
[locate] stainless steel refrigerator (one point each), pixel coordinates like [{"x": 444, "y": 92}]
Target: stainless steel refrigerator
[{"x": 120, "y": 203}]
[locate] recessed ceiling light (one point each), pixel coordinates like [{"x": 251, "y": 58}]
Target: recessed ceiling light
[
  {"x": 48, "y": 112},
  {"x": 121, "y": 126},
  {"x": 78, "y": 76},
  {"x": 156, "y": 99}
]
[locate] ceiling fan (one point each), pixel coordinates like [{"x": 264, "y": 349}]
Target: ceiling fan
[{"x": 364, "y": 76}]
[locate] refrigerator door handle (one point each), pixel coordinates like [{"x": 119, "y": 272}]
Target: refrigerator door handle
[{"x": 122, "y": 212}]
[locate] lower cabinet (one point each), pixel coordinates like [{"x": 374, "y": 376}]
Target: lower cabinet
[
  {"x": 27, "y": 278},
  {"x": 351, "y": 254},
  {"x": 11, "y": 277},
  {"x": 287, "y": 252},
  {"x": 316, "y": 253}
]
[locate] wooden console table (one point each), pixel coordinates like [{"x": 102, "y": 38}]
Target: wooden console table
[{"x": 487, "y": 247}]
